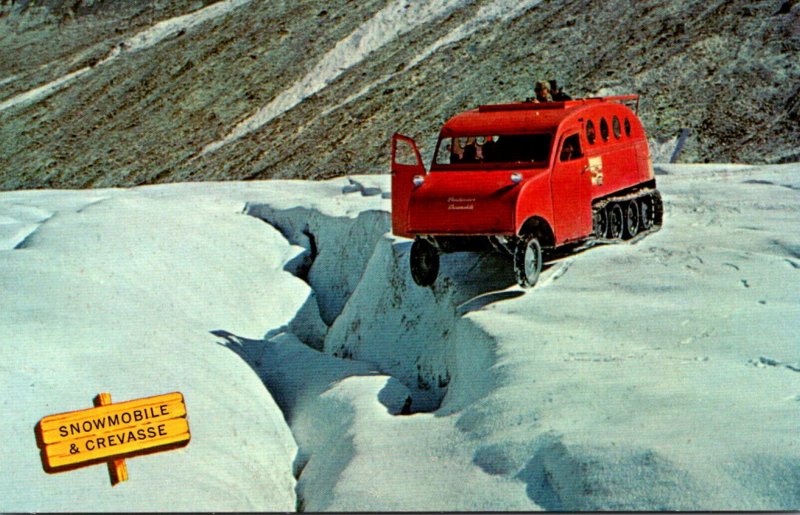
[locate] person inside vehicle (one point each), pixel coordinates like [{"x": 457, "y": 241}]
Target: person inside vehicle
[
  {"x": 470, "y": 154},
  {"x": 488, "y": 150},
  {"x": 568, "y": 152},
  {"x": 456, "y": 152}
]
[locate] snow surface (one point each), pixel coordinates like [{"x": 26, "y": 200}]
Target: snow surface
[
  {"x": 115, "y": 290},
  {"x": 659, "y": 375}
]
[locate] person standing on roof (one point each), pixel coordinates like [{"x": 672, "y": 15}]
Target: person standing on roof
[
  {"x": 542, "y": 90},
  {"x": 558, "y": 93}
]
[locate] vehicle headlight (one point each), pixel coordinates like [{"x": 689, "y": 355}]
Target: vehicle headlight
[
  {"x": 418, "y": 180},
  {"x": 516, "y": 177}
]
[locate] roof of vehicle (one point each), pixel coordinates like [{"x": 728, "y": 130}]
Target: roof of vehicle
[{"x": 522, "y": 117}]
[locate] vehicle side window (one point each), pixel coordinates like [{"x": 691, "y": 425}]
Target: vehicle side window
[
  {"x": 570, "y": 149},
  {"x": 604, "y": 129},
  {"x": 627, "y": 127},
  {"x": 590, "y": 134},
  {"x": 615, "y": 127}
]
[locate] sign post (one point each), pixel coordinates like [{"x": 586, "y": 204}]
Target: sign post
[
  {"x": 117, "y": 469},
  {"x": 112, "y": 432}
]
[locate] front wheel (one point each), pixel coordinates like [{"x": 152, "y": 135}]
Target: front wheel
[
  {"x": 528, "y": 261},
  {"x": 424, "y": 262}
]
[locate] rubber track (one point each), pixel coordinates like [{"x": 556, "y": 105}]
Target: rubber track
[{"x": 658, "y": 215}]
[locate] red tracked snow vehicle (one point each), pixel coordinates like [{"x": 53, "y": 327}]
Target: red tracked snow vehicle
[{"x": 525, "y": 177}]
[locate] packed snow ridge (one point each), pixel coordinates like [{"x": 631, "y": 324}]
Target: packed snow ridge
[{"x": 365, "y": 306}]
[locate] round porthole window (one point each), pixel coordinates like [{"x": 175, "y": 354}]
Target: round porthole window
[
  {"x": 604, "y": 129},
  {"x": 590, "y": 134},
  {"x": 615, "y": 127}
]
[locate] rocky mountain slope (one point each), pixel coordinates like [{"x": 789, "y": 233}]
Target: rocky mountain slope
[{"x": 240, "y": 89}]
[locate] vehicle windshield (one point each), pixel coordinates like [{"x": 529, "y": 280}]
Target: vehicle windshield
[{"x": 511, "y": 150}]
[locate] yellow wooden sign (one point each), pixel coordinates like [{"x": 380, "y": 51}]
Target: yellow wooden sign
[{"x": 113, "y": 431}]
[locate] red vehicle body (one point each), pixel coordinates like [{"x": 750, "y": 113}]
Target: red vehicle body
[{"x": 525, "y": 177}]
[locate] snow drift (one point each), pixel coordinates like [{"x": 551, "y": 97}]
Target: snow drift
[{"x": 114, "y": 290}]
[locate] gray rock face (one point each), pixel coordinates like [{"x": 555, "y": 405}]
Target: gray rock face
[{"x": 726, "y": 70}]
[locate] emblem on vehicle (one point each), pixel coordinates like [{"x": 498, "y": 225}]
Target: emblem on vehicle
[
  {"x": 596, "y": 169},
  {"x": 460, "y": 204}
]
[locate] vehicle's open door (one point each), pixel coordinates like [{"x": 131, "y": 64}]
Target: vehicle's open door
[{"x": 406, "y": 163}]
